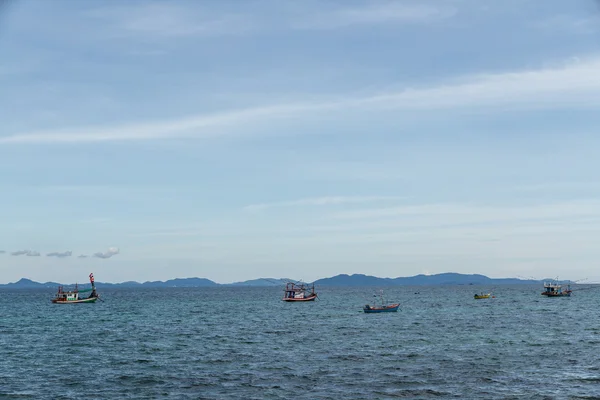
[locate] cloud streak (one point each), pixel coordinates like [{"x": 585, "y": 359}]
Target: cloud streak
[
  {"x": 158, "y": 130},
  {"x": 64, "y": 254},
  {"x": 28, "y": 253},
  {"x": 163, "y": 20},
  {"x": 575, "y": 84},
  {"x": 440, "y": 214},
  {"x": 108, "y": 253},
  {"x": 321, "y": 201},
  {"x": 377, "y": 13},
  {"x": 174, "y": 21},
  {"x": 60, "y": 254},
  {"x": 561, "y": 24}
]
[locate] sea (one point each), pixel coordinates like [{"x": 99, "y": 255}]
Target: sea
[{"x": 245, "y": 343}]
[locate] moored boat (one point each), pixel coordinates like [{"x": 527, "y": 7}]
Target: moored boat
[
  {"x": 554, "y": 289},
  {"x": 299, "y": 292},
  {"x": 74, "y": 296},
  {"x": 370, "y": 309},
  {"x": 379, "y": 309}
]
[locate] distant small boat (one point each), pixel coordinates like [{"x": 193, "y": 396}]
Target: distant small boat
[
  {"x": 370, "y": 309},
  {"x": 378, "y": 309},
  {"x": 554, "y": 289},
  {"x": 482, "y": 296},
  {"x": 299, "y": 292},
  {"x": 73, "y": 296}
]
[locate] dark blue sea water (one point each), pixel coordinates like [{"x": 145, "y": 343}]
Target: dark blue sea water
[{"x": 245, "y": 343}]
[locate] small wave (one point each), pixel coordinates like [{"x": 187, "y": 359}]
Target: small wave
[
  {"x": 412, "y": 393},
  {"x": 586, "y": 380}
]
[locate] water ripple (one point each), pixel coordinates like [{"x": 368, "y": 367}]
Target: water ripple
[{"x": 211, "y": 343}]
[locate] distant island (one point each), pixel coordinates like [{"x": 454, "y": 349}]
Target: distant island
[
  {"x": 356, "y": 280},
  {"x": 448, "y": 278}
]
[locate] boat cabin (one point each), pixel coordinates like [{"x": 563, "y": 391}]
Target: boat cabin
[
  {"x": 298, "y": 292},
  {"x": 67, "y": 296},
  {"x": 555, "y": 289}
]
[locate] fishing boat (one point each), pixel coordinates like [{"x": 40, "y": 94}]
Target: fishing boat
[
  {"x": 74, "y": 296},
  {"x": 554, "y": 289},
  {"x": 299, "y": 292},
  {"x": 482, "y": 296},
  {"x": 382, "y": 307}
]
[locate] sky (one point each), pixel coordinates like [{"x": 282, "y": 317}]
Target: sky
[{"x": 149, "y": 140}]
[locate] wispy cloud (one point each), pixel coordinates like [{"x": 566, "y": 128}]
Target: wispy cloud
[
  {"x": 98, "y": 221},
  {"x": 28, "y": 253},
  {"x": 147, "y": 53},
  {"x": 440, "y": 214},
  {"x": 352, "y": 171},
  {"x": 60, "y": 254},
  {"x": 186, "y": 127},
  {"x": 82, "y": 256},
  {"x": 108, "y": 253},
  {"x": 377, "y": 12},
  {"x": 173, "y": 233},
  {"x": 172, "y": 20},
  {"x": 422, "y": 227},
  {"x": 555, "y": 186},
  {"x": 169, "y": 20},
  {"x": 321, "y": 201},
  {"x": 17, "y": 68},
  {"x": 575, "y": 84},
  {"x": 561, "y": 24}
]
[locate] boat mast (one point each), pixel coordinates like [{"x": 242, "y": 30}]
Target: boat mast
[{"x": 93, "y": 286}]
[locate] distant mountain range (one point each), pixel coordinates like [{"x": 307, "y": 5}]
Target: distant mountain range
[{"x": 449, "y": 278}]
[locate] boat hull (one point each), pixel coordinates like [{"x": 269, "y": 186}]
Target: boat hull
[
  {"x": 89, "y": 300},
  {"x": 556, "y": 294},
  {"x": 487, "y": 296},
  {"x": 293, "y": 300},
  {"x": 375, "y": 310}
]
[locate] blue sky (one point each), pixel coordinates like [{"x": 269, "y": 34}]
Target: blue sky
[{"x": 234, "y": 140}]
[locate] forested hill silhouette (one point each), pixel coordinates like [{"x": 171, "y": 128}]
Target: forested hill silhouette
[{"x": 449, "y": 278}]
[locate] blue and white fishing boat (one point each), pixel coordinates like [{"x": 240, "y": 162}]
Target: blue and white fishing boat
[
  {"x": 74, "y": 296},
  {"x": 554, "y": 289},
  {"x": 370, "y": 309}
]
